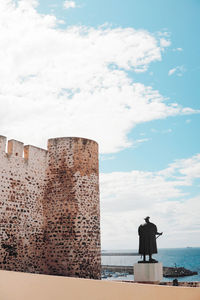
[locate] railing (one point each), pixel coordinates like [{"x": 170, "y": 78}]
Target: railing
[
  {"x": 119, "y": 254},
  {"x": 114, "y": 268}
]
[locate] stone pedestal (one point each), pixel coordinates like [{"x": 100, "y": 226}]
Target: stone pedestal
[{"x": 148, "y": 272}]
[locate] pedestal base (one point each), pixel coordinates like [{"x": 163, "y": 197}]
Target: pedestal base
[{"x": 148, "y": 272}]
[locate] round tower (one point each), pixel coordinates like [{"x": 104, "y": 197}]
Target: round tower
[{"x": 71, "y": 208}]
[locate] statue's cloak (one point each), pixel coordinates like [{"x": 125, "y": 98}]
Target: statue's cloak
[{"x": 147, "y": 238}]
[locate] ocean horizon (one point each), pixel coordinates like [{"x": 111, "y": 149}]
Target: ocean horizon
[{"x": 188, "y": 257}]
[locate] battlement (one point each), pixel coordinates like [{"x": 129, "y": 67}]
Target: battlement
[
  {"x": 16, "y": 150},
  {"x": 49, "y": 207},
  {"x": 33, "y": 154},
  {"x": 2, "y": 144}
]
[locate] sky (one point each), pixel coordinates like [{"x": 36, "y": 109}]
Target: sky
[{"x": 126, "y": 74}]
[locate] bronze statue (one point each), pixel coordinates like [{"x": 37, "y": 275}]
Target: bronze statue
[{"x": 147, "y": 240}]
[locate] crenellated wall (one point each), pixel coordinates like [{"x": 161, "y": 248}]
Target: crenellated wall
[{"x": 49, "y": 208}]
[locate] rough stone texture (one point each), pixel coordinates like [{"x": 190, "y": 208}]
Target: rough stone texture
[{"x": 49, "y": 208}]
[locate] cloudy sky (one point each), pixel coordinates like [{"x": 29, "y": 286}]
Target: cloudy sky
[{"x": 126, "y": 74}]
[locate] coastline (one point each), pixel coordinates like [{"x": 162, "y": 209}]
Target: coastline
[{"x": 188, "y": 258}]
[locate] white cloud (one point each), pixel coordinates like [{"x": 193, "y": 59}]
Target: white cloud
[
  {"x": 179, "y": 70},
  {"x": 178, "y": 49},
  {"x": 189, "y": 168},
  {"x": 171, "y": 71},
  {"x": 74, "y": 82},
  {"x": 137, "y": 143},
  {"x": 164, "y": 42},
  {"x": 69, "y": 4},
  {"x": 165, "y": 34},
  {"x": 127, "y": 197},
  {"x": 165, "y": 131},
  {"x": 106, "y": 157}
]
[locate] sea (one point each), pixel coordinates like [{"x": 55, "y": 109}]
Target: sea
[{"x": 188, "y": 258}]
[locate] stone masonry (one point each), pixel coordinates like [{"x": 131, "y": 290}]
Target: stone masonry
[{"x": 49, "y": 208}]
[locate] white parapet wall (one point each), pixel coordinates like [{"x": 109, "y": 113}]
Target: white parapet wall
[{"x": 25, "y": 286}]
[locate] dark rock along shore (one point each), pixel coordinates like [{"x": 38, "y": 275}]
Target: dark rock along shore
[{"x": 177, "y": 272}]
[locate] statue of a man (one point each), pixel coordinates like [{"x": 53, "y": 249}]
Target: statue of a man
[{"x": 147, "y": 239}]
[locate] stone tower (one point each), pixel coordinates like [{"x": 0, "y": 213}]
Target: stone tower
[{"x": 49, "y": 208}]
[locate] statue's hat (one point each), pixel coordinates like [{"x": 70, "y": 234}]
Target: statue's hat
[{"x": 147, "y": 218}]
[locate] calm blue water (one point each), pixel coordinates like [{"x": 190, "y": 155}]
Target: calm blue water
[{"x": 188, "y": 258}]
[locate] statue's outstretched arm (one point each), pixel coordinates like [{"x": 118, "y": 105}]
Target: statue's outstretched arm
[{"x": 159, "y": 233}]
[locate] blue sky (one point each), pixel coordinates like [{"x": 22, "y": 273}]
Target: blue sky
[
  {"x": 180, "y": 19},
  {"x": 126, "y": 74},
  {"x": 167, "y": 139}
]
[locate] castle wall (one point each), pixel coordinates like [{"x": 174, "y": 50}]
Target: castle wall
[
  {"x": 21, "y": 212},
  {"x": 49, "y": 208},
  {"x": 72, "y": 208}
]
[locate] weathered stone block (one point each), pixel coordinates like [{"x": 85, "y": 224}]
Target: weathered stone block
[{"x": 148, "y": 272}]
